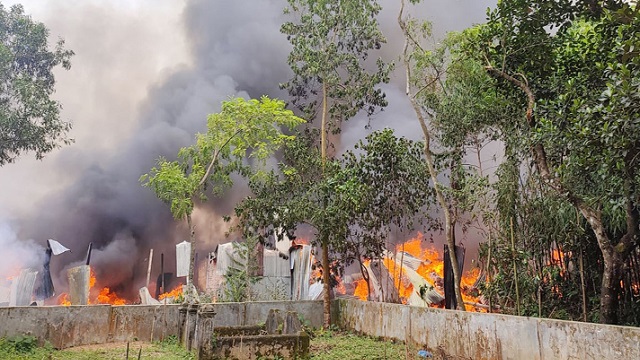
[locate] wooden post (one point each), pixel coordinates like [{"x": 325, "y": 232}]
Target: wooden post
[
  {"x": 489, "y": 274},
  {"x": 515, "y": 268},
  {"x": 162, "y": 289},
  {"x": 149, "y": 268}
]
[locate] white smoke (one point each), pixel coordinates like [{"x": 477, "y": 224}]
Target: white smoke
[{"x": 17, "y": 254}]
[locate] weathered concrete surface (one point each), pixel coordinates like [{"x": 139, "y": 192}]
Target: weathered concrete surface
[
  {"x": 68, "y": 326},
  {"x": 62, "y": 326},
  {"x": 465, "y": 335},
  {"x": 309, "y": 310},
  {"x": 142, "y": 322},
  {"x": 79, "y": 277},
  {"x": 287, "y": 346}
]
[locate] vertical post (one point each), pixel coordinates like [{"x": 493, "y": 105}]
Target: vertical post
[
  {"x": 162, "y": 289},
  {"x": 584, "y": 294},
  {"x": 515, "y": 268},
  {"x": 489, "y": 274},
  {"x": 149, "y": 268}
]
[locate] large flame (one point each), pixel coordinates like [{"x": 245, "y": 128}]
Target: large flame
[
  {"x": 431, "y": 269},
  {"x": 361, "y": 290},
  {"x": 174, "y": 294},
  {"x": 104, "y": 296}
]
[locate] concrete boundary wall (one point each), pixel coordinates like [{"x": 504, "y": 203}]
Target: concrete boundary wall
[
  {"x": 466, "y": 335},
  {"x": 68, "y": 326}
]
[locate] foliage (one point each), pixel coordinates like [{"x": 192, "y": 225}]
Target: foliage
[
  {"x": 244, "y": 129},
  {"x": 331, "y": 42},
  {"x": 242, "y": 273},
  {"x": 575, "y": 70},
  {"x": 29, "y": 117},
  {"x": 21, "y": 344},
  {"x": 387, "y": 189},
  {"x": 363, "y": 195}
]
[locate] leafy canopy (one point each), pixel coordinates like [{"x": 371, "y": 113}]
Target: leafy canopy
[
  {"x": 29, "y": 117},
  {"x": 244, "y": 129},
  {"x": 331, "y": 45}
]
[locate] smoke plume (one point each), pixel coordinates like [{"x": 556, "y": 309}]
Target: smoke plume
[{"x": 144, "y": 78}]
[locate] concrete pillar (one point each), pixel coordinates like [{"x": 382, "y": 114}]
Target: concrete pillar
[
  {"x": 182, "y": 325},
  {"x": 79, "y": 284},
  {"x": 204, "y": 343},
  {"x": 192, "y": 321}
]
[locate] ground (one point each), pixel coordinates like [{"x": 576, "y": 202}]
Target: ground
[{"x": 326, "y": 345}]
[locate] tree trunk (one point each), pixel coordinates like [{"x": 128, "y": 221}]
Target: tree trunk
[
  {"x": 189, "y": 296},
  {"x": 326, "y": 284},
  {"x": 448, "y": 218},
  {"x": 610, "y": 290}
]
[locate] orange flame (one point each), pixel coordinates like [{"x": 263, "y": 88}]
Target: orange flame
[
  {"x": 361, "y": 290},
  {"x": 108, "y": 297},
  {"x": 63, "y": 300},
  {"x": 431, "y": 269},
  {"x": 172, "y": 294},
  {"x": 104, "y": 296},
  {"x": 405, "y": 287}
]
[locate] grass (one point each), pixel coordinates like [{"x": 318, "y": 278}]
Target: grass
[
  {"x": 325, "y": 345},
  {"x": 339, "y": 345},
  {"x": 21, "y": 349}
]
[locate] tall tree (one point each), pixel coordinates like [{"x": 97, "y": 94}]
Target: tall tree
[
  {"x": 29, "y": 117},
  {"x": 578, "y": 91},
  {"x": 331, "y": 42},
  {"x": 362, "y": 196},
  {"x": 243, "y": 129}
]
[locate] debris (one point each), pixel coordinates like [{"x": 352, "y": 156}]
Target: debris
[
  {"x": 146, "y": 298},
  {"x": 22, "y": 288},
  {"x": 425, "y": 354},
  {"x": 56, "y": 247}
]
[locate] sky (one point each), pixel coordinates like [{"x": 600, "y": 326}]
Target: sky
[{"x": 145, "y": 75}]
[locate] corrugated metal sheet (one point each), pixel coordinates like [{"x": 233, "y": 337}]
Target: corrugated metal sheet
[
  {"x": 275, "y": 265},
  {"x": 300, "y": 262},
  {"x": 22, "y": 288}
]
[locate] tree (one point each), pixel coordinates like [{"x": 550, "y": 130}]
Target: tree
[
  {"x": 331, "y": 45},
  {"x": 578, "y": 91},
  {"x": 390, "y": 190},
  {"x": 362, "y": 196},
  {"x": 29, "y": 118},
  {"x": 243, "y": 129}
]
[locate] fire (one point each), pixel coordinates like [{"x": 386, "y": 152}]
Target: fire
[
  {"x": 92, "y": 279},
  {"x": 63, "y": 300},
  {"x": 430, "y": 267},
  {"x": 104, "y": 296},
  {"x": 361, "y": 290},
  {"x": 108, "y": 297},
  {"x": 405, "y": 287},
  {"x": 175, "y": 293}
]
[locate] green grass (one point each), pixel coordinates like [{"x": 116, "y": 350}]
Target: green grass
[
  {"x": 337, "y": 345},
  {"x": 21, "y": 349},
  {"x": 325, "y": 345}
]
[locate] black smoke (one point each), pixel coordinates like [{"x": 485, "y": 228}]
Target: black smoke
[{"x": 234, "y": 49}]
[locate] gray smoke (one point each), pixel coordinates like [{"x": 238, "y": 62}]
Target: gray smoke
[{"x": 139, "y": 89}]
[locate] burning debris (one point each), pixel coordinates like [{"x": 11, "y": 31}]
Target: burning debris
[{"x": 412, "y": 275}]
